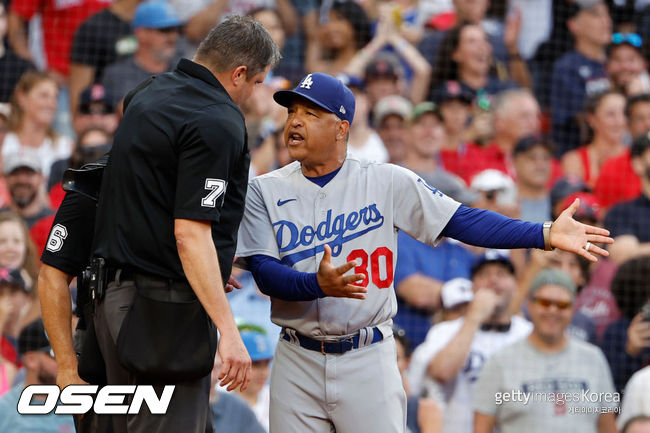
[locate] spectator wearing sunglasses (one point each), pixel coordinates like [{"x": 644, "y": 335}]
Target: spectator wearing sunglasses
[
  {"x": 548, "y": 367},
  {"x": 626, "y": 65},
  {"x": 157, "y": 29}
]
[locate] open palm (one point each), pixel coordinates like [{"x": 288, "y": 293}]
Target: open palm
[{"x": 570, "y": 235}]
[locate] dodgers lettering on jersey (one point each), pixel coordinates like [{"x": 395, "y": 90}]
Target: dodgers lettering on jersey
[
  {"x": 357, "y": 213},
  {"x": 334, "y": 232}
]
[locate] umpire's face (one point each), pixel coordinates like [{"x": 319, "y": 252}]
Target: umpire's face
[{"x": 314, "y": 136}]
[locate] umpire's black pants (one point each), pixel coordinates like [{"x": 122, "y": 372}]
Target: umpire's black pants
[{"x": 188, "y": 411}]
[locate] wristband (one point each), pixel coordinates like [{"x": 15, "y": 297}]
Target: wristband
[{"x": 546, "y": 230}]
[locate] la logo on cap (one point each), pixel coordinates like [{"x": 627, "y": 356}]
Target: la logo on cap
[{"x": 307, "y": 82}]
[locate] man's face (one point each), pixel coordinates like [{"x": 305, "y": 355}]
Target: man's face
[
  {"x": 393, "y": 131},
  {"x": 379, "y": 87},
  {"x": 641, "y": 165},
  {"x": 46, "y": 368},
  {"x": 161, "y": 43},
  {"x": 310, "y": 133},
  {"x": 594, "y": 25},
  {"x": 24, "y": 184},
  {"x": 428, "y": 135},
  {"x": 569, "y": 263},
  {"x": 96, "y": 116},
  {"x": 471, "y": 10},
  {"x": 247, "y": 85},
  {"x": 639, "y": 121},
  {"x": 520, "y": 118},
  {"x": 498, "y": 278},
  {"x": 624, "y": 64},
  {"x": 533, "y": 167},
  {"x": 12, "y": 301},
  {"x": 551, "y": 311},
  {"x": 454, "y": 114},
  {"x": 260, "y": 372}
]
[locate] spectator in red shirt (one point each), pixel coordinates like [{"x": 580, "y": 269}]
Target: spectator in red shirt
[
  {"x": 605, "y": 116},
  {"x": 617, "y": 181},
  {"x": 516, "y": 115},
  {"x": 60, "y": 21},
  {"x": 458, "y": 156}
]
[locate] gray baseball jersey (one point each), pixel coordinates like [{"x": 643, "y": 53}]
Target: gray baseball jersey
[{"x": 357, "y": 213}]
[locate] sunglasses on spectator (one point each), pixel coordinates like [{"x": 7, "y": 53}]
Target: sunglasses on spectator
[
  {"x": 174, "y": 29},
  {"x": 627, "y": 38},
  {"x": 561, "y": 305}
]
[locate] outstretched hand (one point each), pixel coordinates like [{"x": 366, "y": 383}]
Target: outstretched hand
[
  {"x": 333, "y": 281},
  {"x": 570, "y": 235}
]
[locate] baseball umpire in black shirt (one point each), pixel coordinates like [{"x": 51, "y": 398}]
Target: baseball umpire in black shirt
[{"x": 172, "y": 195}]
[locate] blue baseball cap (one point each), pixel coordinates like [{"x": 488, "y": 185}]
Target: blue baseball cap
[
  {"x": 155, "y": 14},
  {"x": 326, "y": 91},
  {"x": 492, "y": 256},
  {"x": 257, "y": 344}
]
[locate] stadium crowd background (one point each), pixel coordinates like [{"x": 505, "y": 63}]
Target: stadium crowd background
[{"x": 518, "y": 106}]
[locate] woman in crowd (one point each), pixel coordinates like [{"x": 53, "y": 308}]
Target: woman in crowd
[
  {"x": 605, "y": 116},
  {"x": 466, "y": 56},
  {"x": 33, "y": 108},
  {"x": 338, "y": 41}
]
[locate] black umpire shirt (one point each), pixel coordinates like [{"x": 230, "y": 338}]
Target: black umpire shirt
[{"x": 180, "y": 152}]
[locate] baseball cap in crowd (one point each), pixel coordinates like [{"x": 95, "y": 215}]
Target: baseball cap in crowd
[
  {"x": 589, "y": 208},
  {"x": 351, "y": 81},
  {"x": 424, "y": 108},
  {"x": 27, "y": 158},
  {"x": 33, "y": 338},
  {"x": 96, "y": 95},
  {"x": 492, "y": 256},
  {"x": 257, "y": 344},
  {"x": 640, "y": 145},
  {"x": 529, "y": 142},
  {"x": 385, "y": 65},
  {"x": 452, "y": 90},
  {"x": 391, "y": 105},
  {"x": 552, "y": 277},
  {"x": 576, "y": 6},
  {"x": 155, "y": 14},
  {"x": 455, "y": 292},
  {"x": 327, "y": 92},
  {"x": 564, "y": 187},
  {"x": 12, "y": 277}
]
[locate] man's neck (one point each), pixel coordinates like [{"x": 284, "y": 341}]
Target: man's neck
[
  {"x": 590, "y": 50},
  {"x": 505, "y": 143},
  {"x": 323, "y": 168},
  {"x": 147, "y": 62},
  {"x": 547, "y": 345},
  {"x": 529, "y": 192}
]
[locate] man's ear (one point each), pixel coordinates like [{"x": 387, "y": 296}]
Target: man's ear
[
  {"x": 30, "y": 359},
  {"x": 239, "y": 75},
  {"x": 342, "y": 130}
]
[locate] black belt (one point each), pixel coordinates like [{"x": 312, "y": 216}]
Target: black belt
[
  {"x": 126, "y": 274},
  {"x": 153, "y": 286},
  {"x": 333, "y": 345}
]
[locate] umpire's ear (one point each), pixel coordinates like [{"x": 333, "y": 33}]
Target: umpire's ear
[{"x": 342, "y": 129}]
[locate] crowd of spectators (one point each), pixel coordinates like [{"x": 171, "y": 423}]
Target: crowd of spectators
[{"x": 517, "y": 106}]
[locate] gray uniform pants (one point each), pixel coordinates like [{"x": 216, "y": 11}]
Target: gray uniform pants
[
  {"x": 188, "y": 410},
  {"x": 360, "y": 391}
]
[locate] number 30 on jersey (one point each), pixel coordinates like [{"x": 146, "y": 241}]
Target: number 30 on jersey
[{"x": 381, "y": 266}]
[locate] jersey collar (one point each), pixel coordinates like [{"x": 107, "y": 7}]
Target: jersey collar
[{"x": 201, "y": 72}]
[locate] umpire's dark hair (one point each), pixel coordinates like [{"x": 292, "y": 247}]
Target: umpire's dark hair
[
  {"x": 633, "y": 100},
  {"x": 629, "y": 422},
  {"x": 238, "y": 41},
  {"x": 631, "y": 286}
]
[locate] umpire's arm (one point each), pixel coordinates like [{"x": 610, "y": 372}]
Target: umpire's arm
[
  {"x": 56, "y": 306},
  {"x": 200, "y": 263}
]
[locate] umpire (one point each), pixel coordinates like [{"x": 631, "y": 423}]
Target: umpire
[{"x": 172, "y": 195}]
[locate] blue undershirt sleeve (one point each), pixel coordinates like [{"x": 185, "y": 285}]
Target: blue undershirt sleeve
[
  {"x": 484, "y": 228},
  {"x": 281, "y": 282}
]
